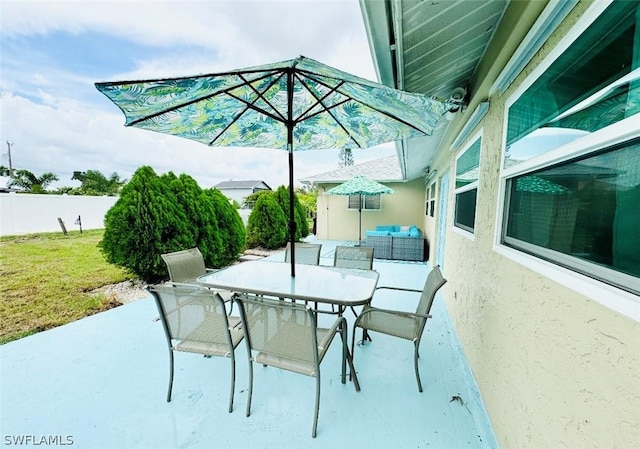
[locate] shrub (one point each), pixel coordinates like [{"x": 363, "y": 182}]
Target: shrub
[
  {"x": 201, "y": 214},
  {"x": 267, "y": 225},
  {"x": 145, "y": 222},
  {"x": 300, "y": 218},
  {"x": 230, "y": 228},
  {"x": 161, "y": 214}
]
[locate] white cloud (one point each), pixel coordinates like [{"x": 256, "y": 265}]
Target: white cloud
[{"x": 59, "y": 122}]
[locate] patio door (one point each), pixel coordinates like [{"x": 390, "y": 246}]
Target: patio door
[{"x": 442, "y": 219}]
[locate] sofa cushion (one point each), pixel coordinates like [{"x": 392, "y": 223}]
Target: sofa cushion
[
  {"x": 388, "y": 228},
  {"x": 406, "y": 228},
  {"x": 414, "y": 232},
  {"x": 400, "y": 234},
  {"x": 376, "y": 233}
]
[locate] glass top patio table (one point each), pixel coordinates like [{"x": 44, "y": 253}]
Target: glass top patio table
[{"x": 331, "y": 285}]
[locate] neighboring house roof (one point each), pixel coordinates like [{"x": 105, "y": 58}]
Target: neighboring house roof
[
  {"x": 385, "y": 169},
  {"x": 241, "y": 185}
]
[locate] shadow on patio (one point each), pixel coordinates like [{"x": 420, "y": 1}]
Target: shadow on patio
[{"x": 100, "y": 382}]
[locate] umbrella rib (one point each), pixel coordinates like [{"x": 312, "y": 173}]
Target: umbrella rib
[
  {"x": 253, "y": 107},
  {"x": 326, "y": 109},
  {"x": 394, "y": 117},
  {"x": 205, "y": 97},
  {"x": 260, "y": 95}
]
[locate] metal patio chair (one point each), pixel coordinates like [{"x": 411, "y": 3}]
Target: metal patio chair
[
  {"x": 285, "y": 335},
  {"x": 195, "y": 320},
  {"x": 405, "y": 325},
  {"x": 186, "y": 266},
  {"x": 353, "y": 257},
  {"x": 306, "y": 253}
]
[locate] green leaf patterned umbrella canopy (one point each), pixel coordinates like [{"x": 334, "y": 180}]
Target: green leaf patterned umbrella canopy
[
  {"x": 363, "y": 186},
  {"x": 359, "y": 185},
  {"x": 294, "y": 105}
]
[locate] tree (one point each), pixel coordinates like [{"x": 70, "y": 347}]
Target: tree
[
  {"x": 267, "y": 225},
  {"x": 345, "y": 157},
  {"x": 29, "y": 182},
  {"x": 95, "y": 183},
  {"x": 4, "y": 171}
]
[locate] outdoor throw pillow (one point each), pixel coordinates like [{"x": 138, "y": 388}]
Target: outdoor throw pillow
[{"x": 376, "y": 233}]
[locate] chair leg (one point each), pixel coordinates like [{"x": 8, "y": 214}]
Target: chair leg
[
  {"x": 233, "y": 381},
  {"x": 345, "y": 348},
  {"x": 250, "y": 387},
  {"x": 415, "y": 361},
  {"x": 315, "y": 415},
  {"x": 170, "y": 375}
]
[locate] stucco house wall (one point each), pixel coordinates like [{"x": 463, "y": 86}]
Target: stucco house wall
[
  {"x": 555, "y": 367},
  {"x": 336, "y": 222}
]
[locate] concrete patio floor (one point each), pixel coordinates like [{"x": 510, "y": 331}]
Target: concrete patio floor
[{"x": 100, "y": 382}]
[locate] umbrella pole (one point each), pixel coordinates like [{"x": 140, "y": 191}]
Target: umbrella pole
[
  {"x": 292, "y": 222},
  {"x": 360, "y": 221},
  {"x": 290, "y": 125}
]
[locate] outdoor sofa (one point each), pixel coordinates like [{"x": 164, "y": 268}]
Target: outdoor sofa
[{"x": 397, "y": 242}]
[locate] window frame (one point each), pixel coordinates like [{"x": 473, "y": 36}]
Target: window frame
[
  {"x": 430, "y": 201},
  {"x": 607, "y": 293},
  {"x": 363, "y": 204},
  {"x": 475, "y": 185}
]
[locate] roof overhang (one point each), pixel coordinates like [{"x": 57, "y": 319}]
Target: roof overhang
[{"x": 434, "y": 48}]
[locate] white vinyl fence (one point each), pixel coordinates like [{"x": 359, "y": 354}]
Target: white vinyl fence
[{"x": 30, "y": 213}]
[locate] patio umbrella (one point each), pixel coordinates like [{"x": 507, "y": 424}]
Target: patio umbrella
[
  {"x": 294, "y": 105},
  {"x": 362, "y": 186}
]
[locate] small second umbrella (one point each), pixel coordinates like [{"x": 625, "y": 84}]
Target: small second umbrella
[{"x": 362, "y": 186}]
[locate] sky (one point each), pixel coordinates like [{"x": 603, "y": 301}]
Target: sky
[{"x": 52, "y": 53}]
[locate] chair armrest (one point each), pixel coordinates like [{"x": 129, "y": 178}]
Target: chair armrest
[
  {"x": 392, "y": 312},
  {"x": 340, "y": 321},
  {"x": 399, "y": 288}
]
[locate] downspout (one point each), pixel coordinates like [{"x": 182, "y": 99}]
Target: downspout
[{"x": 398, "y": 60}]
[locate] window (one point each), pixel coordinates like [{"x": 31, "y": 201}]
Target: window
[
  {"x": 466, "y": 190},
  {"x": 577, "y": 205},
  {"x": 584, "y": 210},
  {"x": 593, "y": 84},
  {"x": 367, "y": 202},
  {"x": 430, "y": 204}
]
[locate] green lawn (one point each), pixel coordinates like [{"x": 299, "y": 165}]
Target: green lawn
[{"x": 46, "y": 279}]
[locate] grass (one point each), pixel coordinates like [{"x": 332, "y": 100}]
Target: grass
[{"x": 46, "y": 280}]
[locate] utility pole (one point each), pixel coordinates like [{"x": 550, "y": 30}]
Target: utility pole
[{"x": 9, "y": 145}]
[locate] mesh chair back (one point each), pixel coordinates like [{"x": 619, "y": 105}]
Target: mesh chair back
[
  {"x": 353, "y": 257},
  {"x": 184, "y": 266},
  {"x": 195, "y": 318},
  {"x": 282, "y": 333},
  {"x": 434, "y": 281},
  {"x": 306, "y": 253}
]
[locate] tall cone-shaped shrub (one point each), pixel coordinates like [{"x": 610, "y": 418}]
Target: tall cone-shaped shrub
[
  {"x": 145, "y": 222},
  {"x": 267, "y": 225},
  {"x": 199, "y": 209},
  {"x": 230, "y": 228},
  {"x": 282, "y": 196}
]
